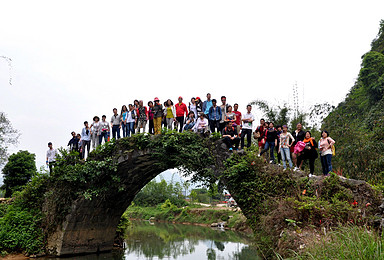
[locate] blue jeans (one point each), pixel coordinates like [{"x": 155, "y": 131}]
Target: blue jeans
[
  {"x": 130, "y": 128},
  {"x": 286, "y": 155},
  {"x": 271, "y": 147},
  {"x": 326, "y": 163},
  {"x": 116, "y": 130},
  {"x": 125, "y": 129},
  {"x": 105, "y": 135}
]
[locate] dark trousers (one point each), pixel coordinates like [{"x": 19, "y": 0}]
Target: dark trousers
[
  {"x": 51, "y": 166},
  {"x": 232, "y": 142},
  {"x": 116, "y": 131},
  {"x": 326, "y": 163},
  {"x": 271, "y": 147},
  {"x": 180, "y": 123},
  {"x": 311, "y": 162},
  {"x": 86, "y": 144},
  {"x": 214, "y": 125},
  {"x": 278, "y": 154},
  {"x": 151, "y": 127},
  {"x": 103, "y": 135},
  {"x": 248, "y": 133},
  {"x": 221, "y": 126}
]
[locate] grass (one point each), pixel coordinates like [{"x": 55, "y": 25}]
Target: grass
[
  {"x": 351, "y": 242},
  {"x": 169, "y": 212}
]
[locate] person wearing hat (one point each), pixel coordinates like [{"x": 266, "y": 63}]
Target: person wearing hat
[
  {"x": 199, "y": 106},
  {"x": 181, "y": 111},
  {"x": 157, "y": 110},
  {"x": 51, "y": 156}
]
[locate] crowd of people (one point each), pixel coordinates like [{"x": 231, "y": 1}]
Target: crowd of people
[{"x": 206, "y": 117}]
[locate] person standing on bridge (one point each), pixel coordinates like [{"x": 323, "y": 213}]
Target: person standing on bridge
[
  {"x": 299, "y": 135},
  {"x": 224, "y": 108},
  {"x": 95, "y": 132},
  {"x": 131, "y": 120},
  {"x": 214, "y": 116},
  {"x": 142, "y": 114},
  {"x": 115, "y": 124},
  {"x": 325, "y": 146},
  {"x": 104, "y": 126},
  {"x": 151, "y": 127},
  {"x": 170, "y": 114},
  {"x": 51, "y": 157},
  {"x": 286, "y": 141},
  {"x": 181, "y": 113},
  {"x": 157, "y": 115},
  {"x": 238, "y": 117},
  {"x": 124, "y": 115},
  {"x": 246, "y": 130},
  {"x": 207, "y": 104},
  {"x": 86, "y": 139}
]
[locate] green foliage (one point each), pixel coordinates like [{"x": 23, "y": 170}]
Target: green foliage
[
  {"x": 18, "y": 171},
  {"x": 350, "y": 242},
  {"x": 357, "y": 124},
  {"x": 155, "y": 193},
  {"x": 21, "y": 222}
]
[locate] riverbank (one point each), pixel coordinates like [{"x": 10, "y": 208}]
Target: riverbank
[{"x": 230, "y": 218}]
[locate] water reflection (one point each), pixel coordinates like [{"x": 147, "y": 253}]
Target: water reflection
[
  {"x": 181, "y": 242},
  {"x": 174, "y": 241}
]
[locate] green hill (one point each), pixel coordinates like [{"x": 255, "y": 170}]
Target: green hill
[{"x": 357, "y": 124}]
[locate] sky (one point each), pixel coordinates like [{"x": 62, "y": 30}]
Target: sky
[{"x": 73, "y": 60}]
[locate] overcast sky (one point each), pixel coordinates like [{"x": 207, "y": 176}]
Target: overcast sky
[{"x": 76, "y": 59}]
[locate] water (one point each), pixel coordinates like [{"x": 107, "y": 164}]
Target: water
[{"x": 182, "y": 242}]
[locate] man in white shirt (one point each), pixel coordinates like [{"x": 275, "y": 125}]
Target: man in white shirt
[
  {"x": 51, "y": 156},
  {"x": 246, "y": 130}
]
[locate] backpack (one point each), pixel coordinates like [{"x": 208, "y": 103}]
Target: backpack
[{"x": 333, "y": 149}]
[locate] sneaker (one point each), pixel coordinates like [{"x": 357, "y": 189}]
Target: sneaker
[
  {"x": 230, "y": 149},
  {"x": 295, "y": 169},
  {"x": 258, "y": 155},
  {"x": 271, "y": 161},
  {"x": 310, "y": 175}
]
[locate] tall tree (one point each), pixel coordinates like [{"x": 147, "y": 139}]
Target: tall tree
[
  {"x": 8, "y": 136},
  {"x": 18, "y": 171}
]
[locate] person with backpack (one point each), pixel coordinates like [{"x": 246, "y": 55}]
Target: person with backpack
[
  {"x": 286, "y": 141},
  {"x": 270, "y": 142},
  {"x": 325, "y": 145},
  {"x": 309, "y": 153},
  {"x": 230, "y": 136}
]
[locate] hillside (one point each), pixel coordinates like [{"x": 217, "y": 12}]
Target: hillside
[{"x": 357, "y": 124}]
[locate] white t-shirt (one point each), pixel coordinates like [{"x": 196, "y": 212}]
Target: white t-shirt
[
  {"x": 51, "y": 155},
  {"x": 129, "y": 117},
  {"x": 247, "y": 125}
]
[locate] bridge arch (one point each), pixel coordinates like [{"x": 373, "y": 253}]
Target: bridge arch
[{"x": 87, "y": 218}]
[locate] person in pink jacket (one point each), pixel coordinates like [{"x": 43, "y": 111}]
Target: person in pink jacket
[
  {"x": 181, "y": 112},
  {"x": 325, "y": 145}
]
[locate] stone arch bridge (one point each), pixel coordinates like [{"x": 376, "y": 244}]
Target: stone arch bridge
[{"x": 89, "y": 225}]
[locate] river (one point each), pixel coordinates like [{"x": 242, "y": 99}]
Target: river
[{"x": 152, "y": 241}]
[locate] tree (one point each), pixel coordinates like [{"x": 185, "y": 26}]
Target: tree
[
  {"x": 18, "y": 171},
  {"x": 8, "y": 136}
]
